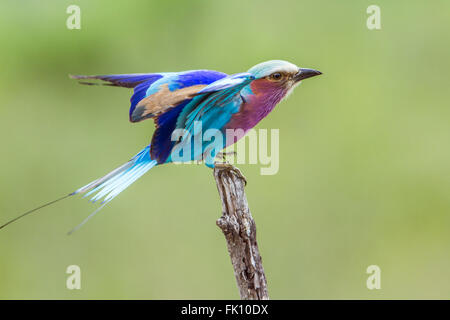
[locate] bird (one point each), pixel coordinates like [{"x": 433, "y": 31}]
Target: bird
[{"x": 178, "y": 102}]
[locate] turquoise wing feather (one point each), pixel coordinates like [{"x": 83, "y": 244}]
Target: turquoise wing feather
[{"x": 212, "y": 107}]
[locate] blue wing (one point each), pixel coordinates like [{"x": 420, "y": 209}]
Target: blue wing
[
  {"x": 152, "y": 99},
  {"x": 164, "y": 100},
  {"x": 161, "y": 96},
  {"x": 151, "y": 86},
  {"x": 222, "y": 96},
  {"x": 213, "y": 107}
]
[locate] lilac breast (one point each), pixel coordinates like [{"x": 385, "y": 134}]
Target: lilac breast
[{"x": 256, "y": 108}]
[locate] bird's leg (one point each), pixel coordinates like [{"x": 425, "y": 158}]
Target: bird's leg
[{"x": 229, "y": 167}]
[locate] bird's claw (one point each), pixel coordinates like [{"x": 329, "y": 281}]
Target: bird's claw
[
  {"x": 224, "y": 154},
  {"x": 230, "y": 168}
]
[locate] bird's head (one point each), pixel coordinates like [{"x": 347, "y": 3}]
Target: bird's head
[{"x": 278, "y": 76}]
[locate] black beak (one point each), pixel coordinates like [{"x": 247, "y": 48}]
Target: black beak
[{"x": 305, "y": 74}]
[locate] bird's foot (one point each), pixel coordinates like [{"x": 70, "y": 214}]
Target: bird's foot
[
  {"x": 230, "y": 168},
  {"x": 224, "y": 154}
]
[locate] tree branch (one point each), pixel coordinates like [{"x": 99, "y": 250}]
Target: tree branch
[{"x": 239, "y": 228}]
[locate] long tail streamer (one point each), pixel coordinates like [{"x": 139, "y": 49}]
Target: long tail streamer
[{"x": 107, "y": 187}]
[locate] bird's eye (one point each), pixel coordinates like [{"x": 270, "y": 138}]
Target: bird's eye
[{"x": 276, "y": 76}]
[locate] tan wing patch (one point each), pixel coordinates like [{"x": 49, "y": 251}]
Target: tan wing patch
[{"x": 162, "y": 100}]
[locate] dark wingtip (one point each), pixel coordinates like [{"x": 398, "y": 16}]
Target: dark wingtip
[
  {"x": 89, "y": 83},
  {"x": 137, "y": 114},
  {"x": 79, "y": 77}
]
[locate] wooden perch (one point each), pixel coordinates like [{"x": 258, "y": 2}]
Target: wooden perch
[{"x": 239, "y": 228}]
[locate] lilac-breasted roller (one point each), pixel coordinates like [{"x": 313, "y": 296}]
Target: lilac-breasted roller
[{"x": 179, "y": 101}]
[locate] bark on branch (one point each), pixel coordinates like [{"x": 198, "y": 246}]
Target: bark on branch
[{"x": 239, "y": 228}]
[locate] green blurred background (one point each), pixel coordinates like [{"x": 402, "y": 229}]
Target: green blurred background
[{"x": 364, "y": 150}]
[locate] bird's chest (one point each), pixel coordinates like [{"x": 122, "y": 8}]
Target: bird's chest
[{"x": 251, "y": 112}]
